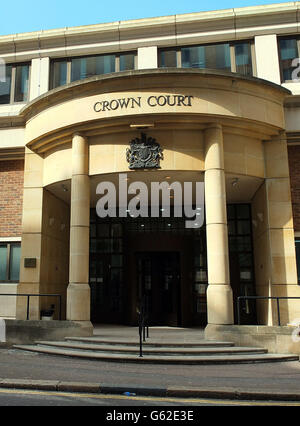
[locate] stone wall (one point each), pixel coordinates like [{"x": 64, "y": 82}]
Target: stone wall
[{"x": 275, "y": 339}]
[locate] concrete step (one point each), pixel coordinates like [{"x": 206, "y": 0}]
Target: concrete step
[
  {"x": 161, "y": 358},
  {"x": 150, "y": 343},
  {"x": 171, "y": 351}
]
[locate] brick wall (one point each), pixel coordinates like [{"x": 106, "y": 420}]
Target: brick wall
[
  {"x": 11, "y": 197},
  {"x": 294, "y": 163}
]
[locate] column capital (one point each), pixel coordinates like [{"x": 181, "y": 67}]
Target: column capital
[
  {"x": 213, "y": 140},
  {"x": 281, "y": 135},
  {"x": 80, "y": 154},
  {"x": 79, "y": 134},
  {"x": 213, "y": 125}
]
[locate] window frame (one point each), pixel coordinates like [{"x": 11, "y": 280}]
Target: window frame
[
  {"x": 69, "y": 60},
  {"x": 232, "y": 45},
  {"x": 293, "y": 37},
  {"x": 13, "y": 82},
  {"x": 8, "y": 245},
  {"x": 297, "y": 239}
]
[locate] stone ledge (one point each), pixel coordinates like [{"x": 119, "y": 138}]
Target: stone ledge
[
  {"x": 26, "y": 332},
  {"x": 276, "y": 339}
]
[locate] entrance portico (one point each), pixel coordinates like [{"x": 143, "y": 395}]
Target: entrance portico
[{"x": 226, "y": 130}]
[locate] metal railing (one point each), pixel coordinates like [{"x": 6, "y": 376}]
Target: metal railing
[
  {"x": 35, "y": 295},
  {"x": 143, "y": 325},
  {"x": 261, "y": 298}
]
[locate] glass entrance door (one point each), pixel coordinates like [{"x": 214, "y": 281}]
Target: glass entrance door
[{"x": 159, "y": 285}]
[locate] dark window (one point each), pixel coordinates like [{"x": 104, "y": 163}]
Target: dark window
[
  {"x": 21, "y": 83},
  {"x": 127, "y": 62},
  {"x": 243, "y": 60},
  {"x": 212, "y": 56},
  {"x": 15, "y": 88},
  {"x": 106, "y": 265},
  {"x": 168, "y": 58},
  {"x": 10, "y": 262},
  {"x": 5, "y": 87},
  {"x": 67, "y": 70},
  {"x": 93, "y": 65},
  {"x": 241, "y": 259},
  {"x": 234, "y": 57},
  {"x": 288, "y": 50},
  {"x": 59, "y": 73}
]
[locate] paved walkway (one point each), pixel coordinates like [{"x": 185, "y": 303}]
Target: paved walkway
[{"x": 19, "y": 369}]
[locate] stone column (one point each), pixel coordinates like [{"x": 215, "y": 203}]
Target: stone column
[
  {"x": 273, "y": 237},
  {"x": 78, "y": 292},
  {"x": 219, "y": 293}
]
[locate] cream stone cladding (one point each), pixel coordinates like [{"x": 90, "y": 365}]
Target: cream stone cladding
[
  {"x": 273, "y": 237},
  {"x": 249, "y": 109},
  {"x": 247, "y": 112},
  {"x": 243, "y": 154},
  {"x": 57, "y": 164},
  {"x": 45, "y": 237},
  {"x": 94, "y": 100},
  {"x": 182, "y": 149}
]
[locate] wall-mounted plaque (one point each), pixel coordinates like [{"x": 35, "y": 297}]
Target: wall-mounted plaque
[{"x": 30, "y": 262}]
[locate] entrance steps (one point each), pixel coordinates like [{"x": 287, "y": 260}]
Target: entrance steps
[{"x": 170, "y": 352}]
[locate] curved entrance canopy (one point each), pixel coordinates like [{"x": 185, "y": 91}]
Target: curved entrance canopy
[{"x": 159, "y": 125}]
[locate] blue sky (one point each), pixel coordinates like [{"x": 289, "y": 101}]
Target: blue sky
[{"x": 34, "y": 15}]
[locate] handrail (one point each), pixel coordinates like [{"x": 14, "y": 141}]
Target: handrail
[
  {"x": 277, "y": 298},
  {"x": 34, "y": 295},
  {"x": 142, "y": 317}
]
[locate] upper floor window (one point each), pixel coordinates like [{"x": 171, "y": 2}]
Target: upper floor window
[
  {"x": 212, "y": 56},
  {"x": 10, "y": 254},
  {"x": 235, "y": 57},
  {"x": 289, "y": 49},
  {"x": 64, "y": 71},
  {"x": 15, "y": 88}
]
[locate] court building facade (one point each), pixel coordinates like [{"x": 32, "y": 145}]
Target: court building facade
[{"x": 209, "y": 97}]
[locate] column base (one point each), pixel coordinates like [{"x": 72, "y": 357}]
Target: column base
[
  {"x": 78, "y": 302},
  {"x": 219, "y": 304}
]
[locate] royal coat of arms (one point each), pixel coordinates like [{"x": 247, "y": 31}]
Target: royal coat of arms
[{"x": 144, "y": 153}]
